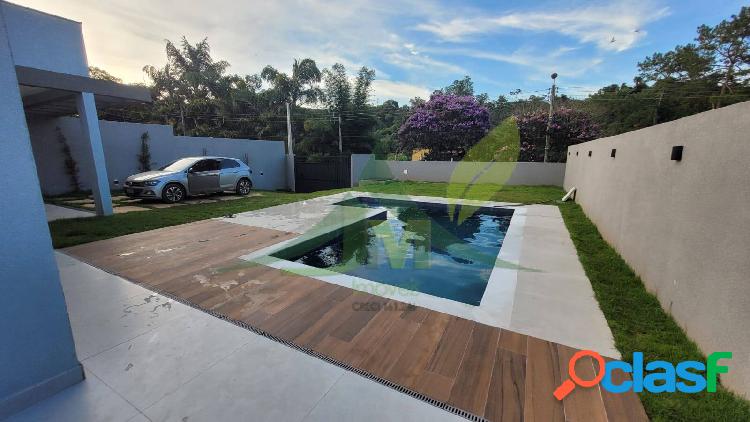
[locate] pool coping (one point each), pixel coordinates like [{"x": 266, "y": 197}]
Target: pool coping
[{"x": 496, "y": 306}]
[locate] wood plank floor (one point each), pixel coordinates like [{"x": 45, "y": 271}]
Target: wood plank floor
[{"x": 492, "y": 373}]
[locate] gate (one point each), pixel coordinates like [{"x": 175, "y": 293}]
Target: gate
[{"x": 325, "y": 173}]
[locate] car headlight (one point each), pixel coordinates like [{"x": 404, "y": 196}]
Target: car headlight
[{"x": 152, "y": 182}]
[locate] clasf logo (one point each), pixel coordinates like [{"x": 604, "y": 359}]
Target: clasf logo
[{"x": 656, "y": 377}]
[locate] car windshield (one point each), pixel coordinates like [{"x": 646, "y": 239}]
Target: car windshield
[{"x": 178, "y": 165}]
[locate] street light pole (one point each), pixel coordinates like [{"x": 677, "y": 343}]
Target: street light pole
[{"x": 549, "y": 118}]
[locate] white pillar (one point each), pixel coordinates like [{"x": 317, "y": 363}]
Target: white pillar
[{"x": 92, "y": 136}]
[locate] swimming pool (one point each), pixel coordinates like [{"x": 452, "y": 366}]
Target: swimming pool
[{"x": 442, "y": 250}]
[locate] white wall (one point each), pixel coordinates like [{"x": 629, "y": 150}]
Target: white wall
[
  {"x": 684, "y": 227},
  {"x": 122, "y": 143},
  {"x": 364, "y": 167},
  {"x": 37, "y": 354},
  {"x": 45, "y": 41}
]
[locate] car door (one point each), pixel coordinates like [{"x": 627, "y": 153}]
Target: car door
[
  {"x": 203, "y": 177},
  {"x": 230, "y": 171}
]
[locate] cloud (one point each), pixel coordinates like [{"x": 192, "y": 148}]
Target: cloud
[
  {"x": 124, "y": 35},
  {"x": 415, "y": 60},
  {"x": 541, "y": 62},
  {"x": 616, "y": 26},
  {"x": 399, "y": 91}
]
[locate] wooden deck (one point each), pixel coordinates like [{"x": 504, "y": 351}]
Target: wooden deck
[{"x": 492, "y": 373}]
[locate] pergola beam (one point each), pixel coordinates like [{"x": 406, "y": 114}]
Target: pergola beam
[{"x": 30, "y": 76}]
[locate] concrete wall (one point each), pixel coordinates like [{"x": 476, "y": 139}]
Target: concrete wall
[
  {"x": 122, "y": 143},
  {"x": 684, "y": 227},
  {"x": 37, "y": 354},
  {"x": 364, "y": 167},
  {"x": 45, "y": 41}
]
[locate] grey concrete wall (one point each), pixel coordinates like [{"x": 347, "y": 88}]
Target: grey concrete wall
[
  {"x": 364, "y": 167},
  {"x": 684, "y": 227},
  {"x": 37, "y": 354},
  {"x": 122, "y": 143},
  {"x": 45, "y": 41}
]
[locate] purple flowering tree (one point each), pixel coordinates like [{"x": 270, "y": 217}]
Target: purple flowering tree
[
  {"x": 447, "y": 125},
  {"x": 569, "y": 127}
]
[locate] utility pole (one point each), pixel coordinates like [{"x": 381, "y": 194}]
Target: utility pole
[
  {"x": 290, "y": 140},
  {"x": 549, "y": 118},
  {"x": 341, "y": 149},
  {"x": 182, "y": 120},
  {"x": 656, "y": 110}
]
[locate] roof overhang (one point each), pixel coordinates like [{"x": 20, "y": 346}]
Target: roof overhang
[{"x": 50, "y": 93}]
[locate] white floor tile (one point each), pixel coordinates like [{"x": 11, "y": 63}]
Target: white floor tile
[
  {"x": 263, "y": 381},
  {"x": 354, "y": 398},
  {"x": 87, "y": 401},
  {"x": 150, "y": 366},
  {"x": 102, "y": 324}
]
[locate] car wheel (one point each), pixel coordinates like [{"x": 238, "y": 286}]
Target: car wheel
[
  {"x": 172, "y": 193},
  {"x": 244, "y": 186}
]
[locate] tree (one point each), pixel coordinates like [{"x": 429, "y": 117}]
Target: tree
[
  {"x": 710, "y": 69},
  {"x": 338, "y": 96},
  {"x": 191, "y": 87},
  {"x": 447, "y": 125},
  {"x": 389, "y": 118},
  {"x": 460, "y": 87},
  {"x": 568, "y": 127},
  {"x": 301, "y": 86},
  {"x": 729, "y": 44},
  {"x": 98, "y": 73},
  {"x": 685, "y": 62},
  {"x": 349, "y": 103}
]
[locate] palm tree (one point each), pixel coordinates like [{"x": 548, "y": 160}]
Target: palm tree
[
  {"x": 300, "y": 87},
  {"x": 191, "y": 82}
]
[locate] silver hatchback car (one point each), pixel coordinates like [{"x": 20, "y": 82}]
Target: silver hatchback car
[{"x": 191, "y": 176}]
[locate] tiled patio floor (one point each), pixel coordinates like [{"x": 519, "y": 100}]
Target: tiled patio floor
[
  {"x": 148, "y": 358},
  {"x": 486, "y": 371}
]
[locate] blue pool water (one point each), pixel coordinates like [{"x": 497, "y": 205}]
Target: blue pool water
[{"x": 441, "y": 250}]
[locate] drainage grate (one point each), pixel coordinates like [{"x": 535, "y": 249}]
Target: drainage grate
[{"x": 415, "y": 394}]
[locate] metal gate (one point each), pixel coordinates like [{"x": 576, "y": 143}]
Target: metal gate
[{"x": 325, "y": 173}]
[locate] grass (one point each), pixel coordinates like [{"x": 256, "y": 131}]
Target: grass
[
  {"x": 488, "y": 192},
  {"x": 634, "y": 315},
  {"x": 639, "y": 324},
  {"x": 83, "y": 230}
]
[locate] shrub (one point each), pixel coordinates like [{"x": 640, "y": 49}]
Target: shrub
[
  {"x": 501, "y": 144},
  {"x": 71, "y": 166},
  {"x": 447, "y": 125},
  {"x": 568, "y": 127},
  {"x": 144, "y": 156}
]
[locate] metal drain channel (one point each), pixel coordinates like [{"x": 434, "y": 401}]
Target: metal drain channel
[{"x": 415, "y": 394}]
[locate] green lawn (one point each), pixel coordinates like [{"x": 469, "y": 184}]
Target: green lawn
[
  {"x": 637, "y": 320},
  {"x": 517, "y": 194},
  {"x": 82, "y": 230},
  {"x": 639, "y": 324}
]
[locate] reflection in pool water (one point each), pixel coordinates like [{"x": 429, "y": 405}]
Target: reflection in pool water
[{"x": 418, "y": 246}]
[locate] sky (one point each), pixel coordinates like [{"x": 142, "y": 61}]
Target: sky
[{"x": 414, "y": 46}]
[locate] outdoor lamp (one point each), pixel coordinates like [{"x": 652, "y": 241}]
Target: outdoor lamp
[{"x": 677, "y": 153}]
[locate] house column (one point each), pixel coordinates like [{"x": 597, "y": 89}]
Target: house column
[
  {"x": 90, "y": 129},
  {"x": 37, "y": 353}
]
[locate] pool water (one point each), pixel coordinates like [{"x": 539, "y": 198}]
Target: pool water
[{"x": 437, "y": 249}]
